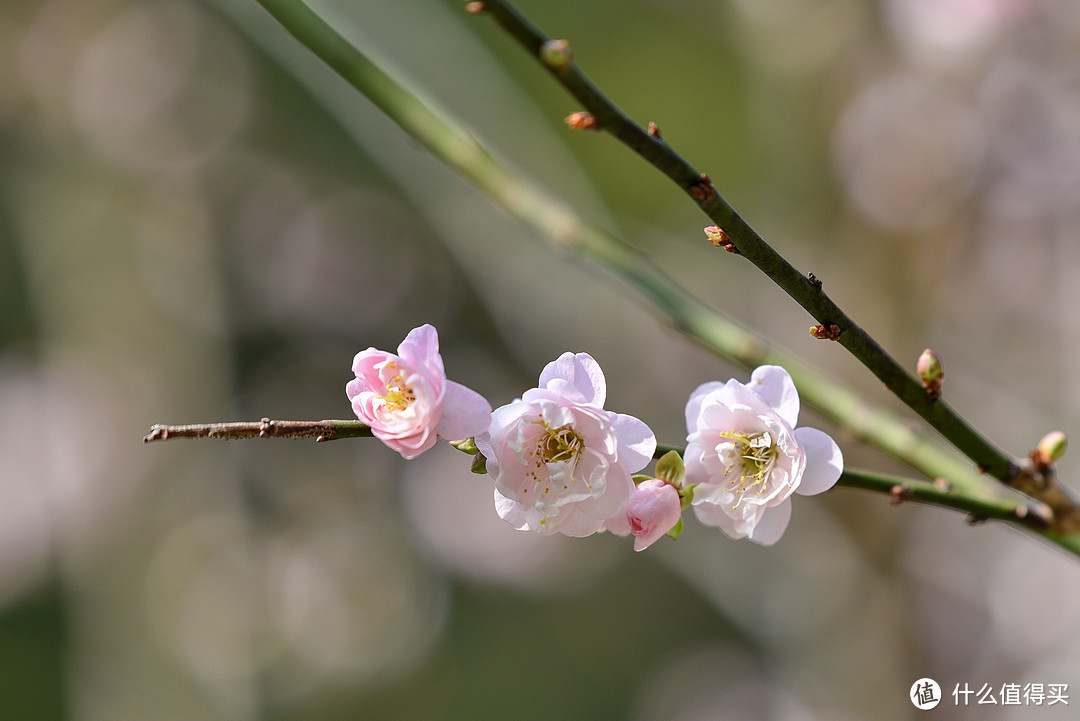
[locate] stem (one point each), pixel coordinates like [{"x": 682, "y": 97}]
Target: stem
[
  {"x": 1012, "y": 507},
  {"x": 751, "y": 245},
  {"x": 319, "y": 430}
]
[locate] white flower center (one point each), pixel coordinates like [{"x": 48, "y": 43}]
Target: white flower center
[
  {"x": 752, "y": 456},
  {"x": 552, "y": 464},
  {"x": 399, "y": 395}
]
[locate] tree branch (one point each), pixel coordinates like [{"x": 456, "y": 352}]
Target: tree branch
[
  {"x": 319, "y": 430},
  {"x": 449, "y": 141},
  {"x": 753, "y": 247}
]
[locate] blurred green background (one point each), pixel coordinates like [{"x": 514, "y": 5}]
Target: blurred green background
[{"x": 199, "y": 222}]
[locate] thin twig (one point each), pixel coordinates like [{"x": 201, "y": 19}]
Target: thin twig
[
  {"x": 1012, "y": 508},
  {"x": 327, "y": 430}
]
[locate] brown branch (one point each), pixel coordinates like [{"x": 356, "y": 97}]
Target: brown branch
[{"x": 327, "y": 430}]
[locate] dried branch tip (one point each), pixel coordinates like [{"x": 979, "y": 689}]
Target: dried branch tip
[
  {"x": 825, "y": 332},
  {"x": 582, "y": 121},
  {"x": 475, "y": 7},
  {"x": 720, "y": 239},
  {"x": 931, "y": 372},
  {"x": 1050, "y": 449},
  {"x": 556, "y": 54}
]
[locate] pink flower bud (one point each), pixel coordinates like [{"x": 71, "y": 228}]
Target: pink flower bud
[{"x": 654, "y": 509}]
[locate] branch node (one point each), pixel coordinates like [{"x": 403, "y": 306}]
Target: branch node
[
  {"x": 703, "y": 189},
  {"x": 899, "y": 494},
  {"x": 825, "y": 332},
  {"x": 475, "y": 7},
  {"x": 813, "y": 280},
  {"x": 654, "y": 130}
]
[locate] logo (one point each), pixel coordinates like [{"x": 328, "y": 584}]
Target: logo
[{"x": 925, "y": 694}]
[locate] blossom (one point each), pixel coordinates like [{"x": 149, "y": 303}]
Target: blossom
[
  {"x": 561, "y": 462},
  {"x": 407, "y": 399},
  {"x": 654, "y": 510},
  {"x": 747, "y": 456}
]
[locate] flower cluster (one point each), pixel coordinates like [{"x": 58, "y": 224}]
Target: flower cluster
[{"x": 562, "y": 463}]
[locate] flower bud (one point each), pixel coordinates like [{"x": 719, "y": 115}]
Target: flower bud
[
  {"x": 653, "y": 511},
  {"x": 1051, "y": 448},
  {"x": 582, "y": 121},
  {"x": 556, "y": 54},
  {"x": 931, "y": 372}
]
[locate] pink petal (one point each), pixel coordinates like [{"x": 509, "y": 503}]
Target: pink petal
[
  {"x": 772, "y": 524},
  {"x": 580, "y": 374},
  {"x": 618, "y": 524},
  {"x": 824, "y": 461},
  {"x": 465, "y": 413},
  {"x": 364, "y": 363},
  {"x": 421, "y": 349},
  {"x": 776, "y": 388}
]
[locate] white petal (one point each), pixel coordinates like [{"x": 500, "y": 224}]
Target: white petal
[
  {"x": 509, "y": 510},
  {"x": 776, "y": 388},
  {"x": 711, "y": 514},
  {"x": 824, "y": 462},
  {"x": 465, "y": 413},
  {"x": 580, "y": 373},
  {"x": 772, "y": 524},
  {"x": 693, "y": 406},
  {"x": 576, "y": 524},
  {"x": 636, "y": 441}
]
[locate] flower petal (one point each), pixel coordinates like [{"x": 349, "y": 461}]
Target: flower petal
[
  {"x": 776, "y": 388},
  {"x": 693, "y": 406},
  {"x": 581, "y": 377},
  {"x": 824, "y": 461},
  {"x": 421, "y": 349},
  {"x": 772, "y": 524},
  {"x": 636, "y": 441},
  {"x": 510, "y": 511},
  {"x": 466, "y": 413}
]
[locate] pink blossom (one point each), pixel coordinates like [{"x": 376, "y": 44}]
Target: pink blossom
[
  {"x": 654, "y": 509},
  {"x": 407, "y": 400},
  {"x": 561, "y": 463},
  {"x": 748, "y": 458}
]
